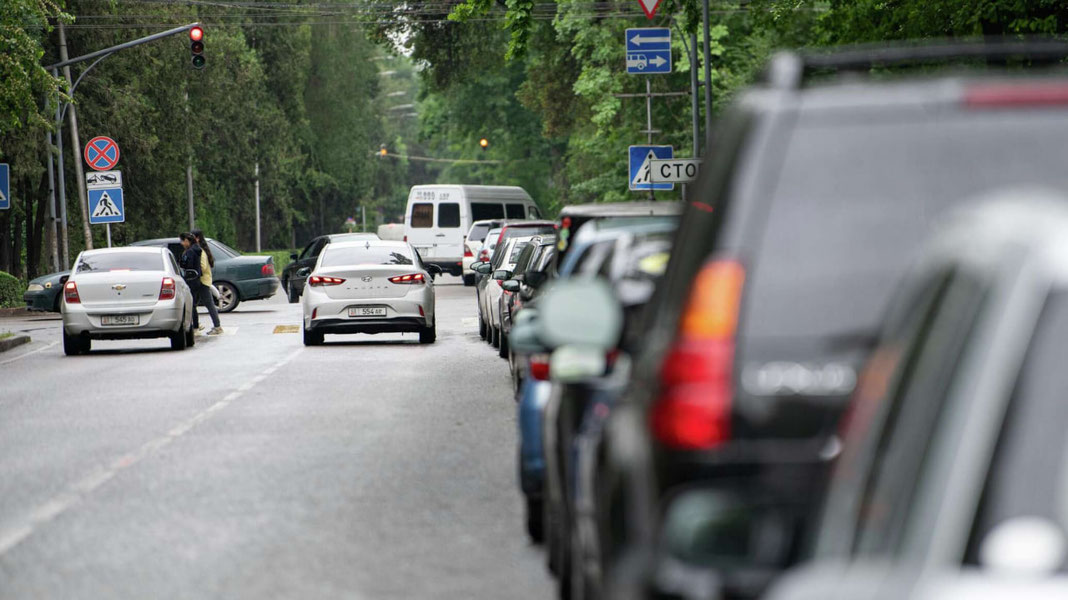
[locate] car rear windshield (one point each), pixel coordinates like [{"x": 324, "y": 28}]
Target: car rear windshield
[
  {"x": 478, "y": 232},
  {"x": 422, "y": 215},
  {"x": 360, "y": 255},
  {"x": 120, "y": 261},
  {"x": 857, "y": 194}
]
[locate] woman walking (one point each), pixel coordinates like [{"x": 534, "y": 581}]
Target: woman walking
[
  {"x": 191, "y": 259},
  {"x": 207, "y": 263}
]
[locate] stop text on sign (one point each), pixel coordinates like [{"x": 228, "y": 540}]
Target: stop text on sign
[{"x": 675, "y": 170}]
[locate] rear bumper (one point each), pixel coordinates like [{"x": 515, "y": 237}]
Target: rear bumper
[
  {"x": 257, "y": 289},
  {"x": 154, "y": 323},
  {"x": 411, "y": 312},
  {"x": 394, "y": 325}
]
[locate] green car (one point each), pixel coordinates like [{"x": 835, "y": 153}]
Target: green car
[{"x": 237, "y": 277}]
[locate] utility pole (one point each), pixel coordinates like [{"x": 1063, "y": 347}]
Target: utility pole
[
  {"x": 708, "y": 70},
  {"x": 189, "y": 193},
  {"x": 258, "y": 206},
  {"x": 694, "y": 102},
  {"x": 62, "y": 186},
  {"x": 53, "y": 241},
  {"x": 363, "y": 218},
  {"x": 76, "y": 145}
]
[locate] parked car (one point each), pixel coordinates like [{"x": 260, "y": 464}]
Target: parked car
[
  {"x": 491, "y": 287},
  {"x": 512, "y": 284},
  {"x": 44, "y": 293},
  {"x": 529, "y": 276},
  {"x": 126, "y": 293},
  {"x": 438, "y": 217},
  {"x": 239, "y": 278},
  {"x": 951, "y": 478},
  {"x": 292, "y": 283},
  {"x": 369, "y": 287},
  {"x": 473, "y": 242},
  {"x": 804, "y": 219}
]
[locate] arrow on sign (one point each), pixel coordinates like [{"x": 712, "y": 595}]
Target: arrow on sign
[
  {"x": 638, "y": 39},
  {"x": 658, "y": 61},
  {"x": 649, "y": 7}
]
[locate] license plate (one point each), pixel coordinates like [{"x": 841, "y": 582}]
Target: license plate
[
  {"x": 367, "y": 311},
  {"x": 120, "y": 320}
]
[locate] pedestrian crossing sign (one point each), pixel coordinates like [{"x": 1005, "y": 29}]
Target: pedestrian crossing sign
[
  {"x": 106, "y": 206},
  {"x": 641, "y": 167}
]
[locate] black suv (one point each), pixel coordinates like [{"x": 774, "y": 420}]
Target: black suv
[
  {"x": 292, "y": 281},
  {"x": 806, "y": 215}
]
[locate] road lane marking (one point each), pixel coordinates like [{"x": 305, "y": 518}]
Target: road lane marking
[
  {"x": 22, "y": 356},
  {"x": 79, "y": 491},
  {"x": 287, "y": 329}
]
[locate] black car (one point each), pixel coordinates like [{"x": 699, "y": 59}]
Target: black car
[
  {"x": 804, "y": 218},
  {"x": 293, "y": 283}
]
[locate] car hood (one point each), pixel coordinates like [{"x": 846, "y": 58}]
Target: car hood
[{"x": 51, "y": 277}]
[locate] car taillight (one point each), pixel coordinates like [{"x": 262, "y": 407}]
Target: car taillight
[
  {"x": 693, "y": 410},
  {"x": 166, "y": 289},
  {"x": 318, "y": 280},
  {"x": 267, "y": 270},
  {"x": 1016, "y": 94},
  {"x": 406, "y": 238},
  {"x": 483, "y": 255},
  {"x": 410, "y": 278},
  {"x": 539, "y": 367},
  {"x": 70, "y": 293},
  {"x": 467, "y": 252}
]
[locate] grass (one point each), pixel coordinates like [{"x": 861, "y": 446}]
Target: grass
[{"x": 6, "y": 334}]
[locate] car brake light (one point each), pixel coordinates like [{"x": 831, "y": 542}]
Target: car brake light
[
  {"x": 539, "y": 367},
  {"x": 406, "y": 238},
  {"x": 410, "y": 278},
  {"x": 70, "y": 293},
  {"x": 166, "y": 289},
  {"x": 693, "y": 409},
  {"x": 267, "y": 270},
  {"x": 319, "y": 280},
  {"x": 467, "y": 252},
  {"x": 1016, "y": 94}
]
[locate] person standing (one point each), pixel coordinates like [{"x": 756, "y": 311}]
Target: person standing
[
  {"x": 191, "y": 261},
  {"x": 207, "y": 263}
]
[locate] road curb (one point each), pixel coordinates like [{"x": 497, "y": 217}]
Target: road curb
[
  {"x": 13, "y": 342},
  {"x": 17, "y": 311}
]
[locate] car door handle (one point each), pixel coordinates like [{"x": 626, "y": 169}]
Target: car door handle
[{"x": 440, "y": 235}]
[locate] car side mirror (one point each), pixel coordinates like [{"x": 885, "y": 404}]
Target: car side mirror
[
  {"x": 483, "y": 268},
  {"x": 190, "y": 274},
  {"x": 433, "y": 269},
  {"x": 502, "y": 274},
  {"x": 512, "y": 285},
  {"x": 523, "y": 339},
  {"x": 535, "y": 279},
  {"x": 303, "y": 272},
  {"x": 580, "y": 313},
  {"x": 293, "y": 256}
]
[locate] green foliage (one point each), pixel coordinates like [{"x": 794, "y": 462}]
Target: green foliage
[
  {"x": 281, "y": 258},
  {"x": 11, "y": 290},
  {"x": 23, "y": 24}
]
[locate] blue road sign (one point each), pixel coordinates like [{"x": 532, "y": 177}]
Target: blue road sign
[
  {"x": 641, "y": 168},
  {"x": 648, "y": 50},
  {"x": 5, "y": 187},
  {"x": 105, "y": 206}
]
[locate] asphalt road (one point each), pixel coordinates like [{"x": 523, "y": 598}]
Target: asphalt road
[{"x": 252, "y": 467}]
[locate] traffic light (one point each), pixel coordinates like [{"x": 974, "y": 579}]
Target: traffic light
[
  {"x": 484, "y": 143},
  {"x": 382, "y": 150},
  {"x": 196, "y": 46}
]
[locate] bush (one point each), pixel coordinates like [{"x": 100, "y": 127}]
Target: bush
[{"x": 10, "y": 290}]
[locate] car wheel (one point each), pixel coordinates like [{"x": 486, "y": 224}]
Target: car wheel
[
  {"x": 291, "y": 293},
  {"x": 190, "y": 337},
  {"x": 535, "y": 520},
  {"x": 502, "y": 345},
  {"x": 481, "y": 328},
  {"x": 178, "y": 339},
  {"x": 496, "y": 334},
  {"x": 427, "y": 335},
  {"x": 312, "y": 338},
  {"x": 469, "y": 280},
  {"x": 228, "y": 297},
  {"x": 72, "y": 344}
]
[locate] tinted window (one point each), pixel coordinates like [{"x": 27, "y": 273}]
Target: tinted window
[
  {"x": 359, "y": 255},
  {"x": 120, "y": 261},
  {"x": 221, "y": 250},
  {"x": 856, "y": 196},
  {"x": 1027, "y": 477},
  {"x": 486, "y": 210},
  {"x": 422, "y": 215},
  {"x": 309, "y": 250},
  {"x": 516, "y": 211},
  {"x": 448, "y": 215}
]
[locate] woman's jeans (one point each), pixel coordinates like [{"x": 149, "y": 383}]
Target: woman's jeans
[{"x": 202, "y": 296}]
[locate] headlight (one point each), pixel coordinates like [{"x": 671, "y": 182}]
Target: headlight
[
  {"x": 35, "y": 287},
  {"x": 48, "y": 285}
]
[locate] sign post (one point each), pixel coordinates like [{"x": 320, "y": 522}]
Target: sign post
[{"x": 5, "y": 186}]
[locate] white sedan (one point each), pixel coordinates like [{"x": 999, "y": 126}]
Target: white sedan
[
  {"x": 369, "y": 287},
  {"x": 126, "y": 293}
]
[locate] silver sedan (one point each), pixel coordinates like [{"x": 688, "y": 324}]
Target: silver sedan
[
  {"x": 369, "y": 287},
  {"x": 126, "y": 293}
]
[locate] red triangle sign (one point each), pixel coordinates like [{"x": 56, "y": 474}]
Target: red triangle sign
[{"x": 649, "y": 7}]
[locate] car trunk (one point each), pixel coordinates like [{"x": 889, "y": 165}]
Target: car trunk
[
  {"x": 367, "y": 281},
  {"x": 119, "y": 290}
]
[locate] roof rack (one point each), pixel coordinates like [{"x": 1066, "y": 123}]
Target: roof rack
[{"x": 787, "y": 70}]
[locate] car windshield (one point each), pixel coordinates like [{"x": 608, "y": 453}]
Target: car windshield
[
  {"x": 853, "y": 228},
  {"x": 120, "y": 261},
  {"x": 361, "y": 255}
]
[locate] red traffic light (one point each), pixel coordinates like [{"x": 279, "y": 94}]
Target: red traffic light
[{"x": 196, "y": 34}]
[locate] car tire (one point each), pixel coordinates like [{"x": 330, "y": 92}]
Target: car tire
[
  {"x": 72, "y": 344},
  {"x": 428, "y": 335},
  {"x": 228, "y": 296},
  {"x": 469, "y": 280},
  {"x": 496, "y": 334},
  {"x": 312, "y": 338},
  {"x": 291, "y": 294},
  {"x": 481, "y": 328},
  {"x": 178, "y": 340},
  {"x": 502, "y": 345},
  {"x": 190, "y": 337},
  {"x": 535, "y": 521}
]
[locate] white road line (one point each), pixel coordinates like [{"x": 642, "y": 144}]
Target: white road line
[
  {"x": 22, "y": 356},
  {"x": 78, "y": 491}
]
